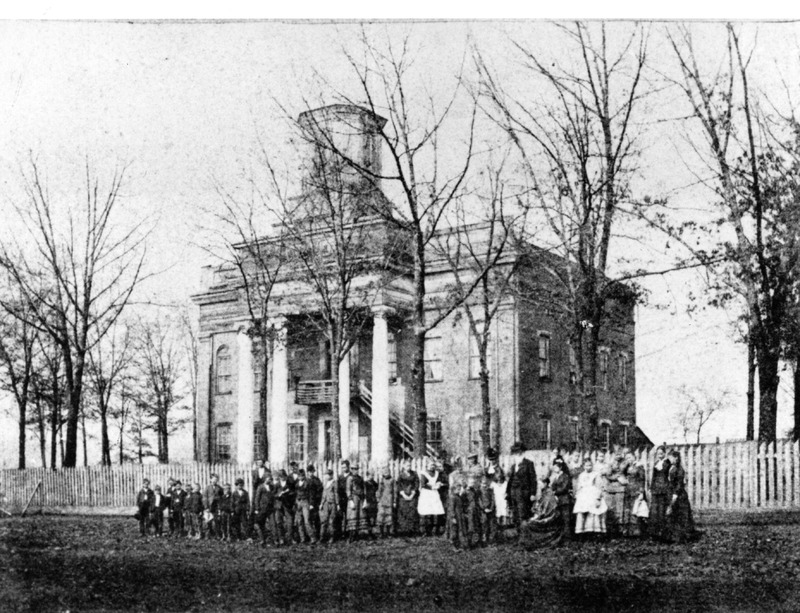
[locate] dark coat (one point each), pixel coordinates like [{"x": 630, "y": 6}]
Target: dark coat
[
  {"x": 211, "y": 496},
  {"x": 285, "y": 494},
  {"x": 241, "y": 502},
  {"x": 194, "y": 503},
  {"x": 156, "y": 509},
  {"x": 144, "y": 500},
  {"x": 264, "y": 500},
  {"x": 315, "y": 490},
  {"x": 659, "y": 484},
  {"x": 522, "y": 481},
  {"x": 178, "y": 500},
  {"x": 562, "y": 489},
  {"x": 226, "y": 503}
]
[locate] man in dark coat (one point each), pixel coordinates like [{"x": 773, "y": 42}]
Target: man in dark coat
[
  {"x": 315, "y": 488},
  {"x": 177, "y": 502},
  {"x": 157, "y": 506},
  {"x": 285, "y": 506},
  {"x": 241, "y": 510},
  {"x": 211, "y": 495},
  {"x": 341, "y": 491},
  {"x": 522, "y": 484},
  {"x": 264, "y": 510},
  {"x": 144, "y": 501}
]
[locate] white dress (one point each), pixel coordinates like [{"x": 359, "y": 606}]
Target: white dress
[
  {"x": 500, "y": 505},
  {"x": 589, "y": 515},
  {"x": 430, "y": 502}
]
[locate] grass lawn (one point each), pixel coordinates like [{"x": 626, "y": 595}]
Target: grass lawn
[{"x": 101, "y": 564}]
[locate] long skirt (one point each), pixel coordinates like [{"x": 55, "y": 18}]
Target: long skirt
[
  {"x": 657, "y": 523},
  {"x": 615, "y": 501},
  {"x": 407, "y": 518},
  {"x": 356, "y": 515},
  {"x": 680, "y": 523},
  {"x": 590, "y": 522}
]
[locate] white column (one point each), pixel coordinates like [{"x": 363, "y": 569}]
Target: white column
[
  {"x": 279, "y": 396},
  {"x": 344, "y": 405},
  {"x": 244, "y": 399},
  {"x": 381, "y": 446}
]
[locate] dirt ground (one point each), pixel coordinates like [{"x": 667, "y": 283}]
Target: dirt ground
[{"x": 101, "y": 564}]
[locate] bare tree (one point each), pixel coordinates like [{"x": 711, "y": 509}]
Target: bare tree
[
  {"x": 416, "y": 134},
  {"x": 191, "y": 349},
  {"x": 160, "y": 364},
  {"x": 698, "y": 407},
  {"x": 108, "y": 361},
  {"x": 88, "y": 267},
  {"x": 577, "y": 147},
  {"x": 750, "y": 179},
  {"x": 17, "y": 362}
]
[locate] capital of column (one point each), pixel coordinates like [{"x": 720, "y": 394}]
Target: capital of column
[{"x": 382, "y": 311}]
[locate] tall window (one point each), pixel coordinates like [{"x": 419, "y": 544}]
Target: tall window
[
  {"x": 544, "y": 355},
  {"x": 603, "y": 357},
  {"x": 475, "y": 353},
  {"x": 605, "y": 431},
  {"x": 435, "y": 433},
  {"x": 625, "y": 433},
  {"x": 258, "y": 441},
  {"x": 325, "y": 359},
  {"x": 575, "y": 429},
  {"x": 297, "y": 443},
  {"x": 475, "y": 427},
  {"x": 573, "y": 364},
  {"x": 433, "y": 356},
  {"x": 544, "y": 434},
  {"x": 223, "y": 370},
  {"x": 258, "y": 370},
  {"x": 622, "y": 366},
  {"x": 392, "y": 357},
  {"x": 223, "y": 443}
]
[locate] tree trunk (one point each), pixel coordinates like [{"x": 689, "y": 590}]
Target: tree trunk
[
  {"x": 105, "y": 443},
  {"x": 418, "y": 354},
  {"x": 751, "y": 388},
  {"x": 53, "y": 436},
  {"x": 486, "y": 408},
  {"x": 42, "y": 434},
  {"x": 336, "y": 430},
  {"x": 796, "y": 377},
  {"x": 23, "y": 416},
  {"x": 768, "y": 382},
  {"x": 83, "y": 434},
  {"x": 73, "y": 416},
  {"x": 262, "y": 397}
]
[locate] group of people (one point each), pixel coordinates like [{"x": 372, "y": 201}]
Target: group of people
[{"x": 471, "y": 505}]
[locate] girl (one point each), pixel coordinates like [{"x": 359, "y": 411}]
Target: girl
[
  {"x": 407, "y": 483},
  {"x": 590, "y": 507},
  {"x": 430, "y": 503},
  {"x": 680, "y": 526}
]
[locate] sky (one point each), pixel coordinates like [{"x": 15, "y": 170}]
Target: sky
[{"x": 180, "y": 104}]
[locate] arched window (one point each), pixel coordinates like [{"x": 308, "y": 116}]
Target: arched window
[{"x": 223, "y": 370}]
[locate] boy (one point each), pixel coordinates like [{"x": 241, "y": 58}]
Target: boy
[
  {"x": 225, "y": 509},
  {"x": 472, "y": 510},
  {"x": 211, "y": 497},
  {"x": 456, "y": 513},
  {"x": 328, "y": 508},
  {"x": 193, "y": 513},
  {"x": 241, "y": 509},
  {"x": 285, "y": 496},
  {"x": 371, "y": 502},
  {"x": 386, "y": 503},
  {"x": 178, "y": 499},
  {"x": 144, "y": 501},
  {"x": 303, "y": 508},
  {"x": 488, "y": 529},
  {"x": 264, "y": 509},
  {"x": 315, "y": 489},
  {"x": 157, "y": 507}
]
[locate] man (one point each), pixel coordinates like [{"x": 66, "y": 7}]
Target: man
[
  {"x": 305, "y": 528},
  {"x": 285, "y": 499},
  {"x": 177, "y": 501},
  {"x": 260, "y": 473},
  {"x": 144, "y": 502},
  {"x": 521, "y": 491},
  {"x": 315, "y": 498},
  {"x": 474, "y": 469},
  {"x": 328, "y": 508},
  {"x": 159, "y": 503},
  {"x": 341, "y": 493},
  {"x": 211, "y": 496},
  {"x": 264, "y": 510}
]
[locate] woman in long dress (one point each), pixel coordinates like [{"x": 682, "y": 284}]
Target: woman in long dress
[
  {"x": 634, "y": 518},
  {"x": 499, "y": 487},
  {"x": 430, "y": 506},
  {"x": 680, "y": 522},
  {"x": 590, "y": 507},
  {"x": 407, "y": 485},
  {"x": 659, "y": 495}
]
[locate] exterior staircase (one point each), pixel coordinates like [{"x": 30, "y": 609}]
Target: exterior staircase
[{"x": 402, "y": 435}]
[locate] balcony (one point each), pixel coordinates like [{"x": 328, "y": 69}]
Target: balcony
[{"x": 314, "y": 392}]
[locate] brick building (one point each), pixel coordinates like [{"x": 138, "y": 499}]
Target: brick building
[{"x": 533, "y": 387}]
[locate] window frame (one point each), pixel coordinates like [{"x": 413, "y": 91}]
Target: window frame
[
  {"x": 603, "y": 355},
  {"x": 223, "y": 356},
  {"x": 227, "y": 428},
  {"x": 290, "y": 457},
  {"x": 433, "y": 335},
  {"x": 544, "y": 362},
  {"x": 473, "y": 444},
  {"x": 392, "y": 357},
  {"x": 435, "y": 442}
]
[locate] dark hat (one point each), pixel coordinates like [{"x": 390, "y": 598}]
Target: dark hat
[
  {"x": 518, "y": 447},
  {"x": 283, "y": 474},
  {"x": 293, "y": 464},
  {"x": 310, "y": 468},
  {"x": 301, "y": 472},
  {"x": 178, "y": 482},
  {"x": 240, "y": 482},
  {"x": 330, "y": 471},
  {"x": 491, "y": 453}
]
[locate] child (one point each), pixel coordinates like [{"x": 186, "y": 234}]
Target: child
[
  {"x": 590, "y": 507},
  {"x": 241, "y": 509},
  {"x": 194, "y": 512},
  {"x": 264, "y": 508},
  {"x": 303, "y": 493},
  {"x": 176, "y": 510},
  {"x": 144, "y": 502},
  {"x": 472, "y": 510},
  {"x": 328, "y": 508},
  {"x": 157, "y": 511},
  {"x": 386, "y": 503},
  {"x": 225, "y": 508},
  {"x": 456, "y": 513},
  {"x": 371, "y": 502},
  {"x": 355, "y": 503},
  {"x": 488, "y": 527}
]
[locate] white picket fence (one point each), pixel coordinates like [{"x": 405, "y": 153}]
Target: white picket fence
[{"x": 732, "y": 476}]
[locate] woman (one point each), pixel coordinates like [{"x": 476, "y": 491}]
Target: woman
[
  {"x": 590, "y": 507},
  {"x": 499, "y": 487},
  {"x": 614, "y": 492},
  {"x": 551, "y": 522},
  {"x": 659, "y": 495},
  {"x": 634, "y": 519},
  {"x": 430, "y": 506},
  {"x": 680, "y": 523},
  {"x": 407, "y": 484}
]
